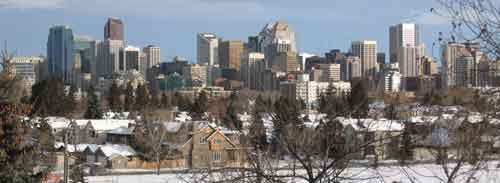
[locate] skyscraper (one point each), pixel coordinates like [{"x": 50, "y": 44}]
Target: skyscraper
[
  {"x": 367, "y": 53},
  {"x": 85, "y": 47},
  {"x": 286, "y": 62},
  {"x": 251, "y": 72},
  {"x": 410, "y": 64},
  {"x": 276, "y": 37},
  {"x": 449, "y": 54},
  {"x": 132, "y": 58},
  {"x": 108, "y": 57},
  {"x": 230, "y": 53},
  {"x": 113, "y": 30},
  {"x": 60, "y": 52},
  {"x": 207, "y": 49},
  {"x": 401, "y": 35},
  {"x": 152, "y": 55}
]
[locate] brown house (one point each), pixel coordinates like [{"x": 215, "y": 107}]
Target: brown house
[{"x": 210, "y": 147}]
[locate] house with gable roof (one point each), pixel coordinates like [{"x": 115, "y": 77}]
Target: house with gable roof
[{"x": 210, "y": 146}]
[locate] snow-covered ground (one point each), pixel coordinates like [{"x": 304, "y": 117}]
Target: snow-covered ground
[{"x": 423, "y": 173}]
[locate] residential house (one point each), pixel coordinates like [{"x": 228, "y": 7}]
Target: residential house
[{"x": 210, "y": 146}]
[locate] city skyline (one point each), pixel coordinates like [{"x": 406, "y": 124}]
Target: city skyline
[{"x": 176, "y": 33}]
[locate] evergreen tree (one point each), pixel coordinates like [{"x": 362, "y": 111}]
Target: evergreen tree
[
  {"x": 49, "y": 98},
  {"x": 93, "y": 108},
  {"x": 129, "y": 97},
  {"x": 358, "y": 101},
  {"x": 406, "y": 146},
  {"x": 258, "y": 135},
  {"x": 71, "y": 101},
  {"x": 183, "y": 103},
  {"x": 77, "y": 173},
  {"x": 199, "y": 106},
  {"x": 231, "y": 119},
  {"x": 142, "y": 97},
  {"x": 114, "y": 101}
]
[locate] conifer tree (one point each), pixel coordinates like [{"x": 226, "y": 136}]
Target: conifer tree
[
  {"x": 114, "y": 101},
  {"x": 200, "y": 105},
  {"x": 231, "y": 119},
  {"x": 129, "y": 98},
  {"x": 142, "y": 97},
  {"x": 93, "y": 106}
]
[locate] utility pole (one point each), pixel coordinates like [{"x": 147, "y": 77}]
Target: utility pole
[{"x": 65, "y": 156}]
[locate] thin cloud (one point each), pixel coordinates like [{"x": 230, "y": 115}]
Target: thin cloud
[{"x": 31, "y": 4}]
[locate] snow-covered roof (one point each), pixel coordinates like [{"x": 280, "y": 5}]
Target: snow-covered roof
[
  {"x": 76, "y": 147},
  {"x": 172, "y": 126},
  {"x": 116, "y": 115},
  {"x": 112, "y": 150},
  {"x": 99, "y": 125},
  {"x": 372, "y": 125},
  {"x": 121, "y": 131},
  {"x": 183, "y": 117}
]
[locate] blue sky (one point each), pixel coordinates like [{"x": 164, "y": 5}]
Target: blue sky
[{"x": 320, "y": 25}]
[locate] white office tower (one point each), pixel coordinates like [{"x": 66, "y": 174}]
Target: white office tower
[
  {"x": 152, "y": 53},
  {"x": 27, "y": 68},
  {"x": 329, "y": 72},
  {"x": 310, "y": 91},
  {"x": 276, "y": 37},
  {"x": 410, "y": 63},
  {"x": 402, "y": 35},
  {"x": 207, "y": 49},
  {"x": 392, "y": 81},
  {"x": 367, "y": 53}
]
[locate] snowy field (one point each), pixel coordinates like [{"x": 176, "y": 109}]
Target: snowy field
[{"x": 425, "y": 173}]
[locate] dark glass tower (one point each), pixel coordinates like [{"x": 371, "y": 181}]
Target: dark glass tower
[{"x": 60, "y": 52}]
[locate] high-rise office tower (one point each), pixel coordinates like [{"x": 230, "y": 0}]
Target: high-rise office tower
[
  {"x": 276, "y": 37},
  {"x": 207, "y": 49},
  {"x": 367, "y": 53},
  {"x": 410, "y": 64},
  {"x": 450, "y": 52},
  {"x": 464, "y": 71},
  {"x": 85, "y": 47},
  {"x": 195, "y": 75},
  {"x": 132, "y": 58},
  {"x": 113, "y": 30},
  {"x": 109, "y": 57},
  {"x": 350, "y": 67},
  {"x": 429, "y": 67},
  {"x": 381, "y": 60},
  {"x": 329, "y": 72},
  {"x": 253, "y": 44},
  {"x": 60, "y": 53},
  {"x": 152, "y": 55},
  {"x": 27, "y": 68},
  {"x": 392, "y": 81},
  {"x": 251, "y": 73},
  {"x": 230, "y": 53},
  {"x": 401, "y": 35},
  {"x": 286, "y": 62}
]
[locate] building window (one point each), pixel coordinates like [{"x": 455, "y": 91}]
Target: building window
[
  {"x": 217, "y": 141},
  {"x": 203, "y": 140},
  {"x": 216, "y": 156}
]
